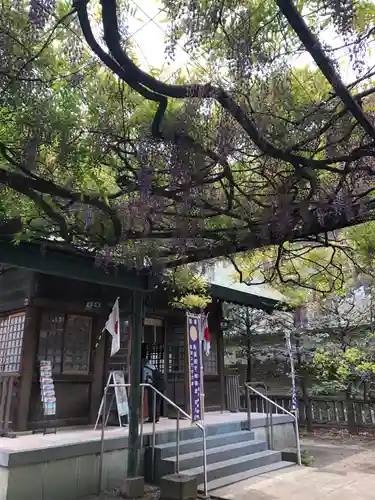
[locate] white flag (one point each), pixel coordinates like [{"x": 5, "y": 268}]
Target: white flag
[{"x": 113, "y": 327}]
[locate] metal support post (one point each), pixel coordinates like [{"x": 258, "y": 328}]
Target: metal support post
[
  {"x": 142, "y": 424},
  {"x": 248, "y": 406},
  {"x": 101, "y": 458},
  {"x": 203, "y": 413},
  {"x": 153, "y": 431},
  {"x": 135, "y": 381},
  {"x": 178, "y": 443}
]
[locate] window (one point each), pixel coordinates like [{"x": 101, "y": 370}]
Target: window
[
  {"x": 156, "y": 354},
  {"x": 11, "y": 336},
  {"x": 76, "y": 353},
  {"x": 176, "y": 358},
  {"x": 210, "y": 362},
  {"x": 65, "y": 340},
  {"x": 153, "y": 337},
  {"x": 50, "y": 339}
]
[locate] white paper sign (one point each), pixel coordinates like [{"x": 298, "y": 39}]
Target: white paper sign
[{"x": 121, "y": 394}]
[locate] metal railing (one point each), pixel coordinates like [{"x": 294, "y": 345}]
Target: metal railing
[
  {"x": 269, "y": 421},
  {"x": 269, "y": 418},
  {"x": 179, "y": 411}
]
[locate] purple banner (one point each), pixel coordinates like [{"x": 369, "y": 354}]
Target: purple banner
[{"x": 194, "y": 366}]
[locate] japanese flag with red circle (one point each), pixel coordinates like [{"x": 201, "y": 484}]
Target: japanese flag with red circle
[
  {"x": 113, "y": 327},
  {"x": 205, "y": 335}
]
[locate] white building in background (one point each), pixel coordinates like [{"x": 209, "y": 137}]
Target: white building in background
[{"x": 224, "y": 275}]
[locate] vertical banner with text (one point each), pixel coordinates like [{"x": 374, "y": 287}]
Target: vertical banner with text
[
  {"x": 194, "y": 351},
  {"x": 294, "y": 405}
]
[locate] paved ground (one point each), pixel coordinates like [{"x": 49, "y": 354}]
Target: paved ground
[{"x": 344, "y": 469}]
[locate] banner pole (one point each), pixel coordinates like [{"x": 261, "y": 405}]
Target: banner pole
[
  {"x": 99, "y": 339},
  {"x": 294, "y": 396},
  {"x": 201, "y": 333}
]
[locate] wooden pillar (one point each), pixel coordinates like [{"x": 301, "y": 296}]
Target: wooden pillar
[
  {"x": 166, "y": 352},
  {"x": 135, "y": 380},
  {"x": 98, "y": 367},
  {"x": 28, "y": 359},
  {"x": 217, "y": 315}
]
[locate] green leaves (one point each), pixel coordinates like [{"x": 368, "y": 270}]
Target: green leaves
[
  {"x": 345, "y": 367},
  {"x": 188, "y": 289},
  {"x": 238, "y": 165}
]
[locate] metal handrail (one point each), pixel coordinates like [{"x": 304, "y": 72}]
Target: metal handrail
[
  {"x": 169, "y": 401},
  {"x": 271, "y": 402},
  {"x": 179, "y": 410},
  {"x": 269, "y": 421}
]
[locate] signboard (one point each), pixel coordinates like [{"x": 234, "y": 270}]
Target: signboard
[
  {"x": 115, "y": 394},
  {"x": 47, "y": 388},
  {"x": 194, "y": 350},
  {"x": 121, "y": 394}
]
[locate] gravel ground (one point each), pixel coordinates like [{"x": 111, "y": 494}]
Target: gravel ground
[{"x": 151, "y": 493}]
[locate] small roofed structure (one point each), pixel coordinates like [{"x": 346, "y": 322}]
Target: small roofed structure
[{"x": 54, "y": 303}]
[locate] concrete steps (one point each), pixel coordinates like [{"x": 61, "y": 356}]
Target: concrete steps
[
  {"x": 234, "y": 465},
  {"x": 192, "y": 432},
  {"x": 167, "y": 450},
  {"x": 214, "y": 455},
  {"x": 242, "y": 476},
  {"x": 232, "y": 455}
]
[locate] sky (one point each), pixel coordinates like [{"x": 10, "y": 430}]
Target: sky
[{"x": 148, "y": 31}]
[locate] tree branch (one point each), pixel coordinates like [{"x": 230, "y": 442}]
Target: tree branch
[
  {"x": 315, "y": 49},
  {"x": 153, "y": 89},
  {"x": 32, "y": 186}
]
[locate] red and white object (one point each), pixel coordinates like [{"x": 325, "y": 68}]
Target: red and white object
[
  {"x": 206, "y": 337},
  {"x": 113, "y": 327}
]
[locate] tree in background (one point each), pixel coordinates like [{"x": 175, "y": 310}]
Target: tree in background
[
  {"x": 332, "y": 344},
  {"x": 345, "y": 362},
  {"x": 259, "y": 336},
  {"x": 188, "y": 289},
  {"x": 240, "y": 324}
]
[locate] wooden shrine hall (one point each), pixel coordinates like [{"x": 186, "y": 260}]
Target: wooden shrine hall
[{"x": 53, "y": 306}]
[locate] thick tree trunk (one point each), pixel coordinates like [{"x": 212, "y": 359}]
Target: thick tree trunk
[
  {"x": 248, "y": 369},
  {"x": 303, "y": 386},
  {"x": 352, "y": 427},
  {"x": 307, "y": 403},
  {"x": 248, "y": 345}
]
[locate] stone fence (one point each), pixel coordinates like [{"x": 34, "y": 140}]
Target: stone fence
[{"x": 319, "y": 411}]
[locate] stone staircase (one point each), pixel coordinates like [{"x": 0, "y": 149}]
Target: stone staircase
[{"x": 233, "y": 454}]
